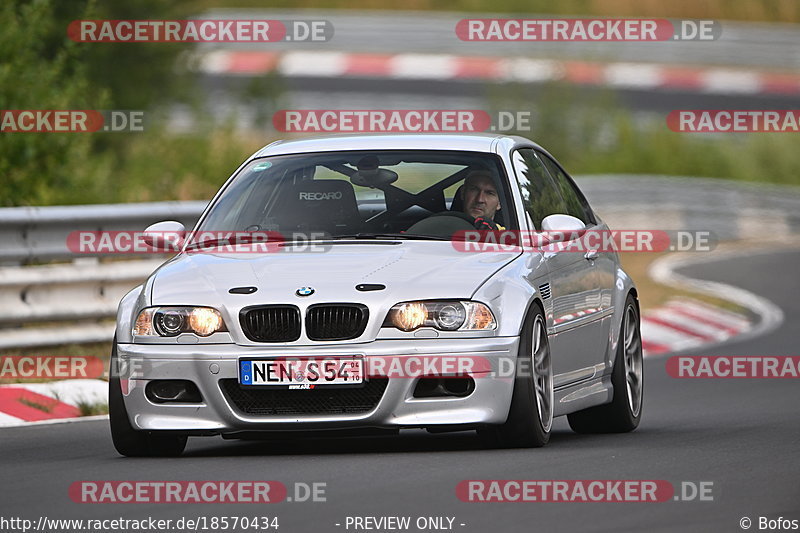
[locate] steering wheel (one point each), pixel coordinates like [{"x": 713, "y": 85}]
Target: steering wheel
[
  {"x": 477, "y": 223},
  {"x": 448, "y": 222}
]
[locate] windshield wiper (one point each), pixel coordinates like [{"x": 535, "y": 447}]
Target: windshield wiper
[
  {"x": 210, "y": 243},
  {"x": 377, "y": 236},
  {"x": 233, "y": 241},
  {"x": 229, "y": 241}
]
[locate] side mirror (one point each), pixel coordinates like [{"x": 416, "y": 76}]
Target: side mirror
[
  {"x": 560, "y": 228},
  {"x": 167, "y": 236}
]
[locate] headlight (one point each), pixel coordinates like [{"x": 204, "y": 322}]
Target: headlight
[
  {"x": 172, "y": 321},
  {"x": 442, "y": 315}
]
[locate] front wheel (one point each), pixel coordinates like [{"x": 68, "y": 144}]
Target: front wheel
[
  {"x": 625, "y": 410},
  {"x": 127, "y": 440},
  {"x": 530, "y": 416}
]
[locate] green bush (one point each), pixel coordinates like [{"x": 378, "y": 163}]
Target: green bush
[{"x": 33, "y": 165}]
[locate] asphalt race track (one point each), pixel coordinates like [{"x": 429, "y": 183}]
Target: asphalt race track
[{"x": 741, "y": 434}]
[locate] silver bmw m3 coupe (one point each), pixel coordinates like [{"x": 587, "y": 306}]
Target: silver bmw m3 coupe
[{"x": 376, "y": 283}]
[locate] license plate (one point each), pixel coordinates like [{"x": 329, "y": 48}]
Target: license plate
[{"x": 302, "y": 373}]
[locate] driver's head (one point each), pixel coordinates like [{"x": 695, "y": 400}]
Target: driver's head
[{"x": 480, "y": 195}]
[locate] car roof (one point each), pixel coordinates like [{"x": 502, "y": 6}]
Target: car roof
[{"x": 475, "y": 142}]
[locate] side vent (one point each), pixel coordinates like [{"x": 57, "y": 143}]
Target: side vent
[{"x": 545, "y": 290}]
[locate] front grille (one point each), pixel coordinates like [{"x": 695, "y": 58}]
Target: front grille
[
  {"x": 271, "y": 323},
  {"x": 276, "y": 402},
  {"x": 336, "y": 322}
]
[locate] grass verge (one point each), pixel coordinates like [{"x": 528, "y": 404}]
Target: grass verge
[
  {"x": 652, "y": 294},
  {"x": 45, "y": 408},
  {"x": 87, "y": 408}
]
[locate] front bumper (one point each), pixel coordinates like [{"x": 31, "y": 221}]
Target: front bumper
[{"x": 206, "y": 365}]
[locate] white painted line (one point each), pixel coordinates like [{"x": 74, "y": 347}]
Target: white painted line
[
  {"x": 59, "y": 421},
  {"x": 423, "y": 66},
  {"x": 730, "y": 81},
  {"x": 707, "y": 318},
  {"x": 718, "y": 314},
  {"x": 8, "y": 420},
  {"x": 634, "y": 75},
  {"x": 688, "y": 323},
  {"x": 531, "y": 70},
  {"x": 71, "y": 391},
  {"x": 217, "y": 62},
  {"x": 324, "y": 64},
  {"x": 658, "y": 334}
]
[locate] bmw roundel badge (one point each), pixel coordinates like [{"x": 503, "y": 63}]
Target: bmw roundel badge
[{"x": 305, "y": 291}]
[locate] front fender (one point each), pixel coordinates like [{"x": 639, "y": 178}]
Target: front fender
[{"x": 511, "y": 291}]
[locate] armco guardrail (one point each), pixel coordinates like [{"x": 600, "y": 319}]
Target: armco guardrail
[
  {"x": 729, "y": 209},
  {"x": 83, "y": 292},
  {"x": 31, "y": 234},
  {"x": 77, "y": 295}
]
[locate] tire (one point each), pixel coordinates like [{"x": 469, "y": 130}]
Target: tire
[
  {"x": 625, "y": 410},
  {"x": 530, "y": 416},
  {"x": 127, "y": 440}
]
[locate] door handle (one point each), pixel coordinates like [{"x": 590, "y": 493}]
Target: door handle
[{"x": 591, "y": 255}]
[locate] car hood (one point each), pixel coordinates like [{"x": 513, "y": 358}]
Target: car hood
[{"x": 409, "y": 270}]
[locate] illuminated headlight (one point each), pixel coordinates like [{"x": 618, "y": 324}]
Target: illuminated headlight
[
  {"x": 172, "y": 321},
  {"x": 441, "y": 315}
]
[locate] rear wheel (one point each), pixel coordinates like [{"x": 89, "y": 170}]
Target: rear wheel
[
  {"x": 625, "y": 410},
  {"x": 127, "y": 440},
  {"x": 530, "y": 416}
]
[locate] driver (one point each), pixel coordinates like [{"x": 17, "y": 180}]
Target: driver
[{"x": 481, "y": 199}]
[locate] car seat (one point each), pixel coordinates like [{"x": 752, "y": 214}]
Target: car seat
[{"x": 317, "y": 205}]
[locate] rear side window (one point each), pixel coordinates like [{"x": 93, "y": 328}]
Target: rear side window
[
  {"x": 576, "y": 204},
  {"x": 539, "y": 192}
]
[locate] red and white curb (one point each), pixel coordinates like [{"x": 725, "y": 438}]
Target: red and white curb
[
  {"x": 621, "y": 75},
  {"x": 683, "y": 324},
  {"x": 700, "y": 325},
  {"x": 27, "y": 403}
]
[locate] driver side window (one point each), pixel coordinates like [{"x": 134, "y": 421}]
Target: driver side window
[
  {"x": 576, "y": 203},
  {"x": 540, "y": 195}
]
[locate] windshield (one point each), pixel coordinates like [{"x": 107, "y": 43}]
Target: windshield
[{"x": 365, "y": 193}]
